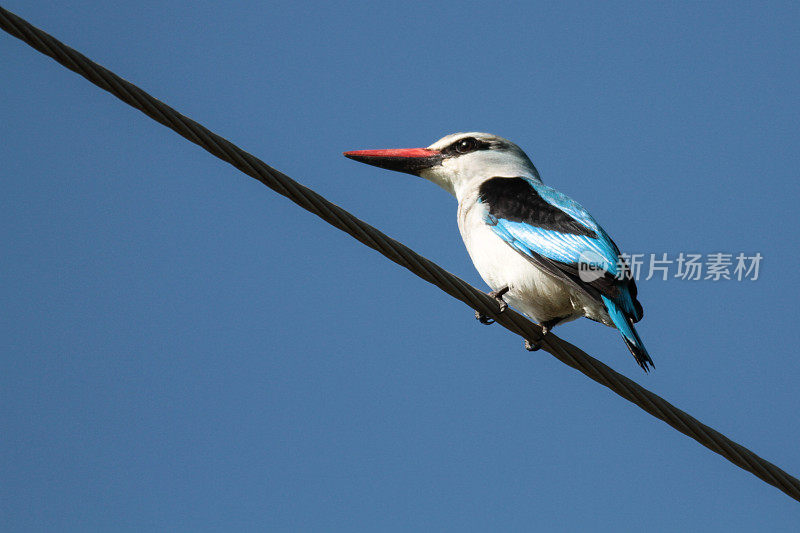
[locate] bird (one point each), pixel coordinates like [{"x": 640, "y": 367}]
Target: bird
[{"x": 537, "y": 249}]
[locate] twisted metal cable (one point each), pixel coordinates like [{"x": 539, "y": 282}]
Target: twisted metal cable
[{"x": 397, "y": 252}]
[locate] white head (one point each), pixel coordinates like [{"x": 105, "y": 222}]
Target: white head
[{"x": 456, "y": 161}]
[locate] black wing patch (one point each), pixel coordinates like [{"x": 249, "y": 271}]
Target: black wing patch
[{"x": 514, "y": 199}]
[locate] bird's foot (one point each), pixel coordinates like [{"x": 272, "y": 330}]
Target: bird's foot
[
  {"x": 547, "y": 325},
  {"x": 483, "y": 319},
  {"x": 498, "y": 296},
  {"x": 532, "y": 346}
]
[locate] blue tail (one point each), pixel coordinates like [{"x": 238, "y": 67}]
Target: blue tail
[{"x": 632, "y": 340}]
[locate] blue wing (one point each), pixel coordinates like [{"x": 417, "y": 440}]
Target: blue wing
[{"x": 557, "y": 234}]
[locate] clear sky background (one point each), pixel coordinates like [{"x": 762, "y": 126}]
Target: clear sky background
[{"x": 183, "y": 349}]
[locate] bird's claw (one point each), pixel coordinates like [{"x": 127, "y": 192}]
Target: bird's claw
[
  {"x": 498, "y": 296},
  {"x": 533, "y": 346},
  {"x": 503, "y": 305},
  {"x": 483, "y": 319}
]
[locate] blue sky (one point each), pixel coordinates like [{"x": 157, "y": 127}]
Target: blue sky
[{"x": 183, "y": 349}]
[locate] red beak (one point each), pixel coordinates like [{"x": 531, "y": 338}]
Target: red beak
[{"x": 408, "y": 160}]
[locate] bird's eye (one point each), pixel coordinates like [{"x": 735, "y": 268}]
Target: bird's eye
[{"x": 466, "y": 144}]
